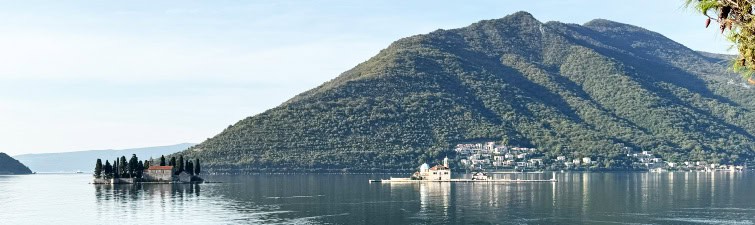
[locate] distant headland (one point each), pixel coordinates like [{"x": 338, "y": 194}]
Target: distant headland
[{"x": 9, "y": 165}]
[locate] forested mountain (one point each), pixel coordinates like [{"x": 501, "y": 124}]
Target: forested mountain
[
  {"x": 8, "y": 165},
  {"x": 84, "y": 160},
  {"x": 568, "y": 89}
]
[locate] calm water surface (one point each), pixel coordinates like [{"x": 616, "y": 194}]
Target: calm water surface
[{"x": 600, "y": 198}]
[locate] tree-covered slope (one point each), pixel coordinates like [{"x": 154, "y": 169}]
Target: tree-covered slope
[
  {"x": 581, "y": 90},
  {"x": 8, "y": 165}
]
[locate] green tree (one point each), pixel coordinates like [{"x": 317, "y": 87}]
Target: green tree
[
  {"x": 180, "y": 164},
  {"x": 162, "y": 160},
  {"x": 139, "y": 169},
  {"x": 123, "y": 167},
  {"x": 98, "y": 169},
  {"x": 736, "y": 16},
  {"x": 108, "y": 170},
  {"x": 133, "y": 165},
  {"x": 146, "y": 163},
  {"x": 116, "y": 169},
  {"x": 196, "y": 167},
  {"x": 190, "y": 168},
  {"x": 172, "y": 161}
]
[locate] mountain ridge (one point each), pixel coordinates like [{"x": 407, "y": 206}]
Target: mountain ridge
[{"x": 84, "y": 160}]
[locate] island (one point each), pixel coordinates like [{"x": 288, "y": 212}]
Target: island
[
  {"x": 122, "y": 171},
  {"x": 442, "y": 173},
  {"x": 9, "y": 165}
]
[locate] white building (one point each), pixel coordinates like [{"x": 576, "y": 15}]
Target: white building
[
  {"x": 438, "y": 172},
  {"x": 586, "y": 160}
]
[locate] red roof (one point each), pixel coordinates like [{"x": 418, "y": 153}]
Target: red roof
[
  {"x": 439, "y": 167},
  {"x": 160, "y": 168}
]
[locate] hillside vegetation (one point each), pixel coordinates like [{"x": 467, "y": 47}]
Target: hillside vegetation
[
  {"x": 9, "y": 165},
  {"x": 568, "y": 89}
]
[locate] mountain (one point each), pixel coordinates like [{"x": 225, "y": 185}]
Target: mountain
[
  {"x": 9, "y": 165},
  {"x": 597, "y": 89},
  {"x": 85, "y": 160}
]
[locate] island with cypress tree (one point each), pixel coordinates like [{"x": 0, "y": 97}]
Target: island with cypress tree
[{"x": 133, "y": 170}]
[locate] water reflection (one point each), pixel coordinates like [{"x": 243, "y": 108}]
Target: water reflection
[
  {"x": 653, "y": 198},
  {"x": 645, "y": 198},
  {"x": 146, "y": 191}
]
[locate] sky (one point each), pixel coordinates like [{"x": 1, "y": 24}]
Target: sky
[{"x": 83, "y": 75}]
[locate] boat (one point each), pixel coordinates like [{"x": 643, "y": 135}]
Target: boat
[{"x": 79, "y": 171}]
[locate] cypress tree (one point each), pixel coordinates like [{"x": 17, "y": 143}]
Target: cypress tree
[
  {"x": 123, "y": 167},
  {"x": 196, "y": 167},
  {"x": 172, "y": 161},
  {"x": 139, "y": 170},
  {"x": 162, "y": 160},
  {"x": 146, "y": 163},
  {"x": 116, "y": 168},
  {"x": 133, "y": 164},
  {"x": 190, "y": 168},
  {"x": 98, "y": 169},
  {"x": 180, "y": 164},
  {"x": 108, "y": 170}
]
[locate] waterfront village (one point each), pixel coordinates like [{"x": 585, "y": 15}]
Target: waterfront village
[
  {"x": 122, "y": 171},
  {"x": 491, "y": 156}
]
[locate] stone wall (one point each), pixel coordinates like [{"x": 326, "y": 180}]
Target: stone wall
[
  {"x": 123, "y": 180},
  {"x": 101, "y": 181}
]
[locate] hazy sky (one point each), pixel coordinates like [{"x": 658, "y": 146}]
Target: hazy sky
[{"x": 79, "y": 75}]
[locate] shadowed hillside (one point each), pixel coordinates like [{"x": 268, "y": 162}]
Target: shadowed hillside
[{"x": 9, "y": 165}]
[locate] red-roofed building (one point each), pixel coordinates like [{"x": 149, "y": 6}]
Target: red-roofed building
[
  {"x": 159, "y": 173},
  {"x": 438, "y": 172}
]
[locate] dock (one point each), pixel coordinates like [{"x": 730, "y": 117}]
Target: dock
[{"x": 403, "y": 180}]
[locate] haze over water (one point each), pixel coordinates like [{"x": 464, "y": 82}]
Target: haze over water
[{"x": 623, "y": 198}]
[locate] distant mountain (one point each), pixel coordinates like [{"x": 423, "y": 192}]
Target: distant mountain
[
  {"x": 9, "y": 165},
  {"x": 85, "y": 160},
  {"x": 598, "y": 89}
]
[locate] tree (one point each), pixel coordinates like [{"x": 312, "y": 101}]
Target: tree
[
  {"x": 190, "y": 168},
  {"x": 172, "y": 161},
  {"x": 162, "y": 160},
  {"x": 133, "y": 165},
  {"x": 736, "y": 16},
  {"x": 146, "y": 163},
  {"x": 98, "y": 169},
  {"x": 180, "y": 164},
  {"x": 123, "y": 167},
  {"x": 108, "y": 170},
  {"x": 139, "y": 170},
  {"x": 116, "y": 169},
  {"x": 196, "y": 167}
]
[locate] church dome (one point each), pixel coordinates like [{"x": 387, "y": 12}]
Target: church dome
[{"x": 424, "y": 167}]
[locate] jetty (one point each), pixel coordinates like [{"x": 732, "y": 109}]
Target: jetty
[{"x": 442, "y": 174}]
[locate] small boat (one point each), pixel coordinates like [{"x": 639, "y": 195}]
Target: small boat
[{"x": 79, "y": 171}]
